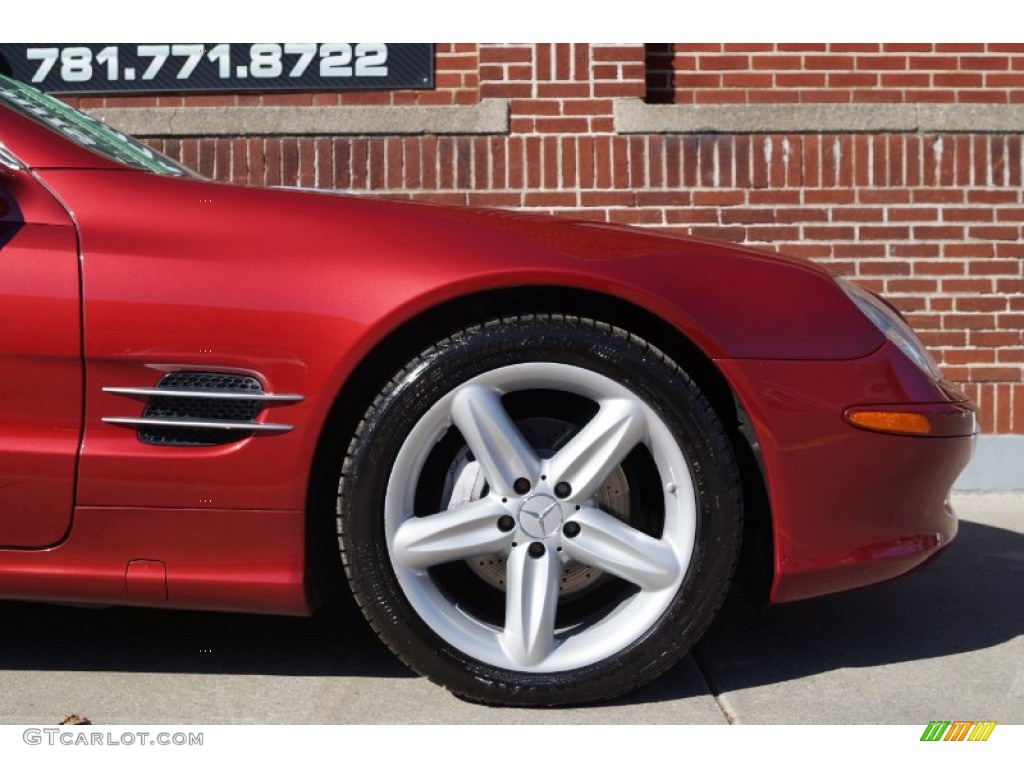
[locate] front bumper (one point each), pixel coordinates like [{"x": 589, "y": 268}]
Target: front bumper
[{"x": 851, "y": 507}]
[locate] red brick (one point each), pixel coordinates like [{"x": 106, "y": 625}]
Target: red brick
[
  {"x": 859, "y": 250},
  {"x": 773, "y": 97},
  {"x": 938, "y": 232},
  {"x": 772, "y": 233},
  {"x": 933, "y": 339},
  {"x": 828, "y": 233},
  {"x": 617, "y": 52},
  {"x": 376, "y": 165},
  {"x": 723, "y": 62},
  {"x": 494, "y": 54},
  {"x": 968, "y": 322},
  {"x": 549, "y": 200},
  {"x": 635, "y": 216},
  {"x": 906, "y": 80},
  {"x": 560, "y": 90},
  {"x": 1010, "y": 286},
  {"x": 991, "y": 196},
  {"x": 272, "y": 163},
  {"x": 828, "y": 62},
  {"x": 994, "y": 233},
  {"x": 984, "y": 62},
  {"x": 746, "y": 80},
  {"x": 732, "y": 234},
  {"x": 884, "y": 267},
  {"x": 884, "y": 233},
  {"x": 561, "y": 125},
  {"x": 992, "y": 373},
  {"x": 967, "y": 214},
  {"x": 980, "y": 303},
  {"x": 800, "y": 80},
  {"x": 852, "y": 79},
  {"x": 719, "y": 97},
  {"x": 1008, "y": 214},
  {"x": 798, "y": 215},
  {"x": 969, "y": 250},
  {"x": 697, "y": 80},
  {"x": 993, "y": 267},
  {"x": 691, "y": 216},
  {"x": 616, "y": 90},
  {"x": 717, "y": 197},
  {"x": 982, "y": 97},
  {"x": 958, "y": 80},
  {"x": 912, "y": 285},
  {"x": 773, "y": 197},
  {"x": 938, "y": 196},
  {"x": 943, "y": 268},
  {"x": 829, "y": 196},
  {"x": 506, "y": 90},
  {"x": 1003, "y": 338},
  {"x": 620, "y": 161},
  {"x": 684, "y": 63},
  {"x": 968, "y": 356},
  {"x": 912, "y": 214},
  {"x": 858, "y": 214},
  {"x": 884, "y": 196},
  {"x": 906, "y": 47},
  {"x": 999, "y": 80},
  {"x": 877, "y": 96},
  {"x": 776, "y": 62},
  {"x": 881, "y": 62},
  {"x": 748, "y": 216},
  {"x": 820, "y": 251},
  {"x": 966, "y": 285},
  {"x": 854, "y": 47},
  {"x": 960, "y": 47},
  {"x": 916, "y": 250}
]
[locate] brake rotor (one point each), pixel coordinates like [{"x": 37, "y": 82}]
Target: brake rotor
[{"x": 466, "y": 483}]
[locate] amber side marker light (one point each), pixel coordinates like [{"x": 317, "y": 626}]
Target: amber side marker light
[{"x": 897, "y": 422}]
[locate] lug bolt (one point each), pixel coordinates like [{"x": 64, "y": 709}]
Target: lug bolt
[
  {"x": 571, "y": 529},
  {"x": 521, "y": 486},
  {"x": 563, "y": 489},
  {"x": 536, "y": 550},
  {"x": 506, "y": 523}
]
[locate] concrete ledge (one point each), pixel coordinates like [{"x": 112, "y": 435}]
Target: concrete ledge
[
  {"x": 488, "y": 117},
  {"x": 634, "y": 116},
  {"x": 997, "y": 466}
]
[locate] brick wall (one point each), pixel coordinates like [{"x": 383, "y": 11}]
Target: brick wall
[
  {"x": 932, "y": 220},
  {"x": 863, "y": 73}
]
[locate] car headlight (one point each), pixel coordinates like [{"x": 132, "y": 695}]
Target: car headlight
[{"x": 895, "y": 328}]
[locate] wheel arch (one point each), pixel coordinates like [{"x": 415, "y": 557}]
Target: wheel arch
[{"x": 375, "y": 369}]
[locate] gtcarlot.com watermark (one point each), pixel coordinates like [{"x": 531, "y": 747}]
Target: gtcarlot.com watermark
[{"x": 62, "y": 737}]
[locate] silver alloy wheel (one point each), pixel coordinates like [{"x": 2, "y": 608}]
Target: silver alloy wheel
[{"x": 541, "y": 529}]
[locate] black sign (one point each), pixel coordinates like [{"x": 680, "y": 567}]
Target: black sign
[{"x": 98, "y": 68}]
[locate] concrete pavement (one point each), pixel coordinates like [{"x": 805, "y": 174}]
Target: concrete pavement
[{"x": 945, "y": 643}]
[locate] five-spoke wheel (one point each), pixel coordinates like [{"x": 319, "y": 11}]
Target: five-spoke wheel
[{"x": 526, "y": 512}]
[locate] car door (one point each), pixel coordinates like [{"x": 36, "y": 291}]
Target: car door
[{"x": 40, "y": 361}]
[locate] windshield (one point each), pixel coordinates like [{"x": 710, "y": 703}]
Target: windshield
[{"x": 84, "y": 130}]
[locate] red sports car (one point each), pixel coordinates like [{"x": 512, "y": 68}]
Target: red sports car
[{"x": 547, "y": 448}]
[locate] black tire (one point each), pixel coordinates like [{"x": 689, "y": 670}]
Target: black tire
[{"x": 661, "y": 554}]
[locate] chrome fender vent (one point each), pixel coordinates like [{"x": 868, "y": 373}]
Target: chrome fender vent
[{"x": 190, "y": 408}]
